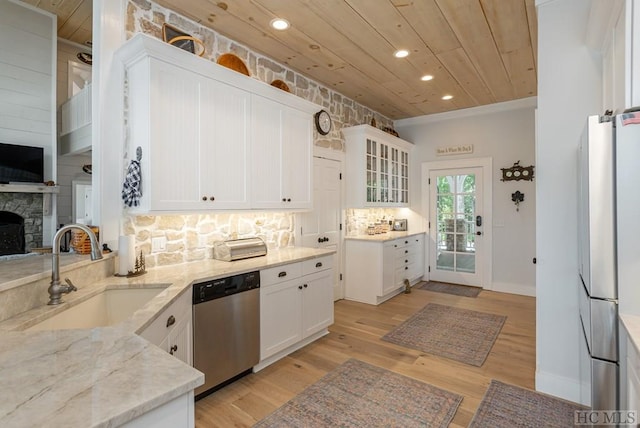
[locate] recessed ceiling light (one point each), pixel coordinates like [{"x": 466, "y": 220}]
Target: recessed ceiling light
[
  {"x": 280, "y": 24},
  {"x": 402, "y": 53},
  {"x": 447, "y": 97},
  {"x": 426, "y": 77}
]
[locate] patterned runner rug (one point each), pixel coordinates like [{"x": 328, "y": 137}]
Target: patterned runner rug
[
  {"x": 357, "y": 394},
  {"x": 445, "y": 287},
  {"x": 508, "y": 406},
  {"x": 459, "y": 334}
]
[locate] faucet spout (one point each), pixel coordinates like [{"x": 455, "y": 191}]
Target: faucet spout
[{"x": 56, "y": 290}]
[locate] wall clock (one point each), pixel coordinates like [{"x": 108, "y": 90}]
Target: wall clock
[{"x": 323, "y": 122}]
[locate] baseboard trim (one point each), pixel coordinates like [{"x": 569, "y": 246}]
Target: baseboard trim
[
  {"x": 523, "y": 290},
  {"x": 559, "y": 386}
]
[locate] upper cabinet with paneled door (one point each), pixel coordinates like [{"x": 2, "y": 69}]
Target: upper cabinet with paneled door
[
  {"x": 282, "y": 159},
  {"x": 377, "y": 168},
  {"x": 213, "y": 138}
]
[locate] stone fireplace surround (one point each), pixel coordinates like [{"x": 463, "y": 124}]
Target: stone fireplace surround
[{"x": 29, "y": 207}]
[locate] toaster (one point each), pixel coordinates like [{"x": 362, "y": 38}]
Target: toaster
[
  {"x": 400, "y": 225},
  {"x": 238, "y": 249}
]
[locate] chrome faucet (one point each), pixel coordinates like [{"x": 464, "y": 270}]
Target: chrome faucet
[{"x": 56, "y": 290}]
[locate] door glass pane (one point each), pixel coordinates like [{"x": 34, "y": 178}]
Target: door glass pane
[{"x": 455, "y": 216}]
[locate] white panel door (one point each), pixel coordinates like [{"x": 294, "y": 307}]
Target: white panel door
[
  {"x": 175, "y": 138},
  {"x": 224, "y": 146},
  {"x": 320, "y": 228},
  {"x": 266, "y": 153},
  {"x": 456, "y": 217},
  {"x": 280, "y": 316},
  {"x": 297, "y": 159},
  {"x": 317, "y": 303}
]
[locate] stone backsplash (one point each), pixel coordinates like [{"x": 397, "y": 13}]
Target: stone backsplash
[
  {"x": 359, "y": 219},
  {"x": 191, "y": 237},
  {"x": 144, "y": 16}
]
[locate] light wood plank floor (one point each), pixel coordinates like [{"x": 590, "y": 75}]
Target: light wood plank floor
[{"x": 356, "y": 334}]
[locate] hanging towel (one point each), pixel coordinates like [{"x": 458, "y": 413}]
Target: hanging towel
[{"x": 131, "y": 188}]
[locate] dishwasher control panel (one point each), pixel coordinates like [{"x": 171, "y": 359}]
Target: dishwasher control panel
[{"x": 217, "y": 288}]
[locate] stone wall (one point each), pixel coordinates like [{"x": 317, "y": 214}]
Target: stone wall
[
  {"x": 29, "y": 207},
  {"x": 359, "y": 219},
  {"x": 144, "y": 16},
  {"x": 191, "y": 237}
]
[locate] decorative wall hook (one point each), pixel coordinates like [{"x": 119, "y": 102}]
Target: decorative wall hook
[
  {"x": 517, "y": 172},
  {"x": 517, "y": 197}
]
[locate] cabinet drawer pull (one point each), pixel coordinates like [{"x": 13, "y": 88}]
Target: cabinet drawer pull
[
  {"x": 319, "y": 264},
  {"x": 282, "y": 274},
  {"x": 171, "y": 321},
  {"x": 173, "y": 349}
]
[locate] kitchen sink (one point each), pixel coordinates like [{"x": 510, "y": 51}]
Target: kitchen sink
[{"x": 107, "y": 308}]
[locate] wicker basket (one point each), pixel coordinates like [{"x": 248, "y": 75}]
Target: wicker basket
[{"x": 80, "y": 240}]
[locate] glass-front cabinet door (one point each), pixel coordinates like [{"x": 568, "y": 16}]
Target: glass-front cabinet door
[
  {"x": 385, "y": 170},
  {"x": 372, "y": 171}
]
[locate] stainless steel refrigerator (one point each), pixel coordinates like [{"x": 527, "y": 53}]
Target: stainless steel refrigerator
[{"x": 607, "y": 144}]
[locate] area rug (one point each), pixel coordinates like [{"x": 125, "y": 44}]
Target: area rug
[
  {"x": 508, "y": 406},
  {"x": 459, "y": 334},
  {"x": 444, "y": 287},
  {"x": 357, "y": 394}
]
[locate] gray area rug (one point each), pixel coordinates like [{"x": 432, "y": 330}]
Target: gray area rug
[
  {"x": 509, "y": 406},
  {"x": 357, "y": 394},
  {"x": 459, "y": 334},
  {"x": 444, "y": 287}
]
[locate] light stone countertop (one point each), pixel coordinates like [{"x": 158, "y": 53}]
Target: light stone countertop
[
  {"x": 106, "y": 376},
  {"x": 382, "y": 237}
]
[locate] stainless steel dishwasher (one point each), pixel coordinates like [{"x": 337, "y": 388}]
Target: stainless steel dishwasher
[{"x": 226, "y": 329}]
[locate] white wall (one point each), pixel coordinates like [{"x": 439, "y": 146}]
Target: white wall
[
  {"x": 569, "y": 89},
  {"x": 504, "y": 132},
  {"x": 27, "y": 84}
]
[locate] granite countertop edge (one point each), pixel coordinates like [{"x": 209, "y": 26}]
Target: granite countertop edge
[
  {"x": 382, "y": 237},
  {"x": 175, "y": 279}
]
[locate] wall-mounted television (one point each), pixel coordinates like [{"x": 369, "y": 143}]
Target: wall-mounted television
[{"x": 21, "y": 164}]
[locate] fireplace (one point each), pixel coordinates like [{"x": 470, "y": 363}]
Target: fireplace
[
  {"x": 20, "y": 222},
  {"x": 11, "y": 233}
]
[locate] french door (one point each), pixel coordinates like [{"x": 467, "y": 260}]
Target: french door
[{"x": 456, "y": 225}]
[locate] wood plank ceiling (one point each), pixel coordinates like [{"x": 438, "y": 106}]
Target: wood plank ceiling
[
  {"x": 74, "y": 17},
  {"x": 479, "y": 51}
]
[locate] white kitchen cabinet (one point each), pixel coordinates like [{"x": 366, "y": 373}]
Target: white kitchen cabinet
[
  {"x": 282, "y": 155},
  {"x": 296, "y": 306},
  {"x": 172, "y": 331},
  {"x": 376, "y": 270},
  {"x": 194, "y": 135},
  {"x": 377, "y": 168},
  {"x": 212, "y": 138}
]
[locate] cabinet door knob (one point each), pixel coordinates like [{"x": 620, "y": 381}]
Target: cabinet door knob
[
  {"x": 305, "y": 285},
  {"x": 406, "y": 261},
  {"x": 406, "y": 251},
  {"x": 204, "y": 198},
  {"x": 288, "y": 199},
  {"x": 284, "y": 199},
  {"x": 406, "y": 268},
  {"x": 320, "y": 240},
  {"x": 173, "y": 349},
  {"x": 211, "y": 198},
  {"x": 406, "y": 242},
  {"x": 299, "y": 287},
  {"x": 171, "y": 321}
]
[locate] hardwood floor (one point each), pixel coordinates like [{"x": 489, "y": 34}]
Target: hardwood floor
[{"x": 356, "y": 334}]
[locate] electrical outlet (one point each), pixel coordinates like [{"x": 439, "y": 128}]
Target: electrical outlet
[{"x": 159, "y": 243}]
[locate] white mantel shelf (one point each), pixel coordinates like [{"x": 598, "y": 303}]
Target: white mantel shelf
[{"x": 28, "y": 188}]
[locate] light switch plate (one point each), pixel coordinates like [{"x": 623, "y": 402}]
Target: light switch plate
[{"x": 159, "y": 243}]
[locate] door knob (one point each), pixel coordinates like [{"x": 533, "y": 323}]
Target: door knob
[{"x": 478, "y": 233}]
